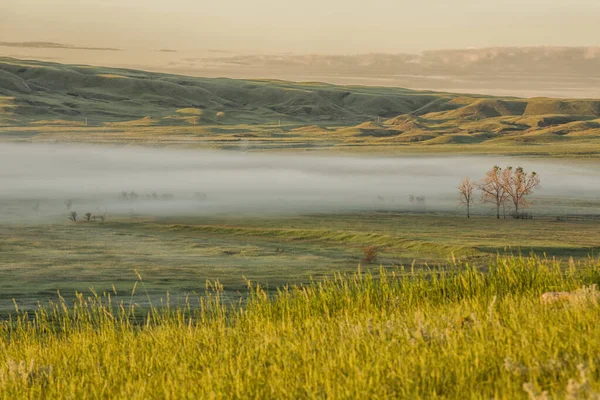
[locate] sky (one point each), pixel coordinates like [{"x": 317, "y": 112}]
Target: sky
[{"x": 307, "y": 26}]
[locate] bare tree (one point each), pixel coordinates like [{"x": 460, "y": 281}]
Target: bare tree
[
  {"x": 73, "y": 216},
  {"x": 88, "y": 216},
  {"x": 68, "y": 204},
  {"x": 492, "y": 188},
  {"x": 465, "y": 190},
  {"x": 518, "y": 184},
  {"x": 100, "y": 218}
]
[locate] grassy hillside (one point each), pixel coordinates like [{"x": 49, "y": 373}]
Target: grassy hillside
[
  {"x": 451, "y": 332},
  {"x": 45, "y": 101},
  {"x": 53, "y": 91}
]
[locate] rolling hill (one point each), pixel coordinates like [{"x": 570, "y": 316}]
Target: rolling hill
[
  {"x": 82, "y": 103},
  {"x": 51, "y": 91}
]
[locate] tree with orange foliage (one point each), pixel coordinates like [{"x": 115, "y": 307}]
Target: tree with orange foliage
[
  {"x": 518, "y": 184},
  {"x": 492, "y": 188},
  {"x": 465, "y": 190}
]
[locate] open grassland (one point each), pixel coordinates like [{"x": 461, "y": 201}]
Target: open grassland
[
  {"x": 440, "y": 308},
  {"x": 453, "y": 332},
  {"x": 179, "y": 254},
  {"x": 53, "y": 102}
]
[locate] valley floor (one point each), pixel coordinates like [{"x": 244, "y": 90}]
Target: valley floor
[{"x": 179, "y": 254}]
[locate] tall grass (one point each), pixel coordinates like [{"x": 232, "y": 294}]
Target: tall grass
[{"x": 459, "y": 332}]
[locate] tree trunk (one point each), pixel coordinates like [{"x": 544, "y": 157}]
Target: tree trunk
[
  {"x": 498, "y": 211},
  {"x": 468, "y": 210}
]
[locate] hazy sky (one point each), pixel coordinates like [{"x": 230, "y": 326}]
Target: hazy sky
[{"x": 302, "y": 26}]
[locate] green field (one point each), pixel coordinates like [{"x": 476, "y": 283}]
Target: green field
[{"x": 180, "y": 254}]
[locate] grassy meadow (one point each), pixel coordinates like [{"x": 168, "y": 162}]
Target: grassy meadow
[
  {"x": 201, "y": 303},
  {"x": 452, "y": 332}
]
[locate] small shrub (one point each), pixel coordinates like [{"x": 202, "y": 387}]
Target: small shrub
[{"x": 370, "y": 254}]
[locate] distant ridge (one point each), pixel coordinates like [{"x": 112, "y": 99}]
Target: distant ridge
[
  {"x": 52, "y": 45},
  {"x": 499, "y": 61}
]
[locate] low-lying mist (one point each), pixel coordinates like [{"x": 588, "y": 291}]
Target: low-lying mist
[{"x": 36, "y": 180}]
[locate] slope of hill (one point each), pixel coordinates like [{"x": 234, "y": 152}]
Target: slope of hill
[
  {"x": 46, "y": 91},
  {"x": 46, "y": 101}
]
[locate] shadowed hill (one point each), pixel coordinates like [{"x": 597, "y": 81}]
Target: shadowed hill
[{"x": 53, "y": 91}]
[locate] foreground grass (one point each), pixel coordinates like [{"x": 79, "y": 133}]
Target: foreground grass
[{"x": 453, "y": 333}]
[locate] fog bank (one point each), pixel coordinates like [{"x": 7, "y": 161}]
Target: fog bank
[{"x": 170, "y": 182}]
